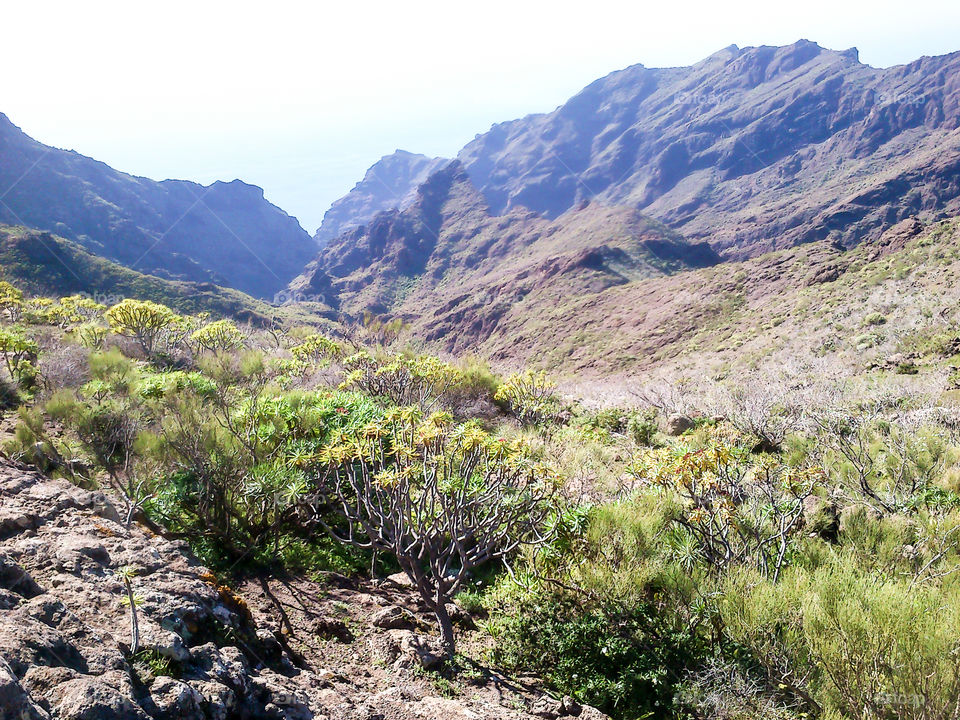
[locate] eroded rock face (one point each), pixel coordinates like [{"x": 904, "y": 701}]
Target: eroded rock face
[
  {"x": 65, "y": 627},
  {"x": 735, "y": 149},
  {"x": 65, "y": 631}
]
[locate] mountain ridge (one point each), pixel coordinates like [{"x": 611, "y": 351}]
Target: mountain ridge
[
  {"x": 448, "y": 251},
  {"x": 742, "y": 148},
  {"x": 389, "y": 183},
  {"x": 175, "y": 229}
]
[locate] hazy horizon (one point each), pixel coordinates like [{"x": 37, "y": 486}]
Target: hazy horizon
[{"x": 302, "y": 102}]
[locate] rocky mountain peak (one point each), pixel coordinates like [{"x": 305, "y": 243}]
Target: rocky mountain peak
[{"x": 389, "y": 183}]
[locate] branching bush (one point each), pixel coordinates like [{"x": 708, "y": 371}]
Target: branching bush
[
  {"x": 19, "y": 353},
  {"x": 530, "y": 396},
  {"x": 142, "y": 320},
  {"x": 11, "y": 301},
  {"x": 67, "y": 366},
  {"x": 738, "y": 510},
  {"x": 848, "y": 644},
  {"x": 108, "y": 427},
  {"x": 218, "y": 336},
  {"x": 764, "y": 408},
  {"x": 237, "y": 447},
  {"x": 91, "y": 335},
  {"x": 722, "y": 574},
  {"x": 442, "y": 499},
  {"x": 880, "y": 460},
  {"x": 422, "y": 380},
  {"x": 317, "y": 348}
]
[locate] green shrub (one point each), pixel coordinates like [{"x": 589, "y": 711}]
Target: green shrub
[
  {"x": 473, "y": 395},
  {"x": 422, "y": 380},
  {"x": 642, "y": 427},
  {"x": 144, "y": 321},
  {"x": 19, "y": 352},
  {"x": 850, "y": 644},
  {"x": 883, "y": 645},
  {"x": 530, "y": 396},
  {"x": 626, "y": 660},
  {"x": 218, "y": 336}
]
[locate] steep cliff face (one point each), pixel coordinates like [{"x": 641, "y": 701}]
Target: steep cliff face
[
  {"x": 391, "y": 183},
  {"x": 752, "y": 149},
  {"x": 544, "y": 221},
  {"x": 224, "y": 232},
  {"x": 448, "y": 251}
]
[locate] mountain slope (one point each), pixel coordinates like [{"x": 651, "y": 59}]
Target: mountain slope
[
  {"x": 448, "y": 251},
  {"x": 811, "y": 303},
  {"x": 225, "y": 232},
  {"x": 390, "y": 183},
  {"x": 44, "y": 264},
  {"x": 752, "y": 149},
  {"x": 287, "y": 647}
]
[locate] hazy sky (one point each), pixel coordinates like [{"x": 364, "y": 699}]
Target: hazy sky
[{"x": 301, "y": 98}]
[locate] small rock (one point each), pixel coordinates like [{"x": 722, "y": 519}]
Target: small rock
[
  {"x": 591, "y": 713},
  {"x": 384, "y": 649},
  {"x": 165, "y": 643},
  {"x": 175, "y": 699},
  {"x": 269, "y": 644},
  {"x": 570, "y": 706},
  {"x": 281, "y": 701},
  {"x": 75, "y": 552},
  {"x": 15, "y": 579},
  {"x": 417, "y": 650},
  {"x": 220, "y": 700},
  {"x": 678, "y": 424},
  {"x": 325, "y": 678},
  {"x": 86, "y": 699},
  {"x": 547, "y": 707},
  {"x": 224, "y": 616},
  {"x": 400, "y": 579},
  {"x": 394, "y": 617}
]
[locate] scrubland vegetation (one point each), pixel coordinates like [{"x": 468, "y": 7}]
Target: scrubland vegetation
[{"x": 778, "y": 546}]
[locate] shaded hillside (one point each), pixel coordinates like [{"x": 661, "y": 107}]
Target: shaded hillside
[
  {"x": 225, "y": 232},
  {"x": 447, "y": 251},
  {"x": 390, "y": 183},
  {"x": 45, "y": 264}
]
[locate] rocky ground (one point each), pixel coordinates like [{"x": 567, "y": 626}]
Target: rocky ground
[{"x": 271, "y": 648}]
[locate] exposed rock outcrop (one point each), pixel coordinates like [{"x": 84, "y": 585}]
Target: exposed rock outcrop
[{"x": 206, "y": 652}]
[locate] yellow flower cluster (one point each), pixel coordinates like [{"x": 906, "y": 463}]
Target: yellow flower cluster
[{"x": 405, "y": 445}]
